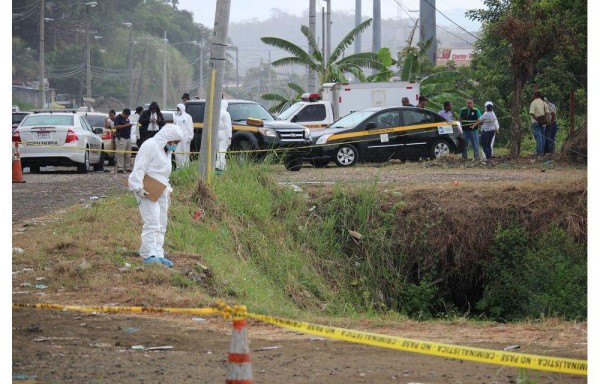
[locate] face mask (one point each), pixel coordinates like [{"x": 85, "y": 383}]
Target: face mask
[{"x": 171, "y": 147}]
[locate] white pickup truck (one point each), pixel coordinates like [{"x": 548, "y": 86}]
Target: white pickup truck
[{"x": 340, "y": 99}]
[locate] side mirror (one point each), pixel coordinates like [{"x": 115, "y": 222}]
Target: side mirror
[
  {"x": 370, "y": 126},
  {"x": 98, "y": 130}
]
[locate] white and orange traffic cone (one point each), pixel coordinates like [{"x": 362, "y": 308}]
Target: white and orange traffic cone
[
  {"x": 17, "y": 171},
  {"x": 239, "y": 370}
]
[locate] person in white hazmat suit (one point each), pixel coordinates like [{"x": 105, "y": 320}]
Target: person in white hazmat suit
[
  {"x": 184, "y": 121},
  {"x": 154, "y": 159},
  {"x": 225, "y": 133}
]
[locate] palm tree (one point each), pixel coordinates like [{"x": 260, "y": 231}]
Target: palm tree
[{"x": 338, "y": 66}]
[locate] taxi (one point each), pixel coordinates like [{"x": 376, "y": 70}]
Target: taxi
[{"x": 381, "y": 134}]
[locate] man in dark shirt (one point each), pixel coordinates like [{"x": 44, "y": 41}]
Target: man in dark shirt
[
  {"x": 123, "y": 134},
  {"x": 468, "y": 119}
]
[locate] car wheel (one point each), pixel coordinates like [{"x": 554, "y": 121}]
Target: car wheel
[
  {"x": 293, "y": 164},
  {"x": 245, "y": 144},
  {"x": 346, "y": 156},
  {"x": 438, "y": 149},
  {"x": 100, "y": 166},
  {"x": 85, "y": 166},
  {"x": 319, "y": 163}
]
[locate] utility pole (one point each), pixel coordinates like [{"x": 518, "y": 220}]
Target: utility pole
[
  {"x": 427, "y": 27},
  {"x": 312, "y": 13},
  {"x": 269, "y": 69},
  {"x": 88, "y": 68},
  {"x": 357, "y": 21},
  {"x": 237, "y": 70},
  {"x": 201, "y": 45},
  {"x": 323, "y": 34},
  {"x": 42, "y": 84},
  {"x": 130, "y": 63},
  {"x": 164, "y": 100},
  {"x": 376, "y": 25},
  {"x": 208, "y": 148},
  {"x": 328, "y": 30}
]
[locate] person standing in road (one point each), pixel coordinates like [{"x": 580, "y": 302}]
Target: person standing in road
[
  {"x": 154, "y": 160},
  {"x": 468, "y": 120},
  {"x": 538, "y": 110},
  {"x": 184, "y": 121},
  {"x": 422, "y": 102},
  {"x": 551, "y": 128},
  {"x": 150, "y": 122},
  {"x": 489, "y": 127},
  {"x": 225, "y": 133},
  {"x": 446, "y": 113},
  {"x": 123, "y": 141},
  {"x": 406, "y": 102}
]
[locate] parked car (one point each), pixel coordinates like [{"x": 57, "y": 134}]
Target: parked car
[
  {"x": 96, "y": 120},
  {"x": 168, "y": 116},
  {"x": 380, "y": 134},
  {"x": 59, "y": 139},
  {"x": 17, "y": 117}
]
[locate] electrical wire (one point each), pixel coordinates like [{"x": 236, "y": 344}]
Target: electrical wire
[
  {"x": 458, "y": 37},
  {"x": 441, "y": 13}
]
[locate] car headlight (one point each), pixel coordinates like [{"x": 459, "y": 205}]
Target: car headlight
[
  {"x": 267, "y": 132},
  {"x": 322, "y": 139},
  {"x": 306, "y": 132}
]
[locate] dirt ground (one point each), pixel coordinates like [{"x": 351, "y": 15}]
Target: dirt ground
[{"x": 54, "y": 346}]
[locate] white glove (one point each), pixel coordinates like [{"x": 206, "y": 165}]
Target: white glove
[{"x": 141, "y": 193}]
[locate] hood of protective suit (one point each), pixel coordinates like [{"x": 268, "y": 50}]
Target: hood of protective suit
[
  {"x": 170, "y": 132},
  {"x": 224, "y": 105},
  {"x": 181, "y": 107}
]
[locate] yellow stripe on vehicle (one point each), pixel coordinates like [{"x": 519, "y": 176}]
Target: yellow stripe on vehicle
[{"x": 339, "y": 136}]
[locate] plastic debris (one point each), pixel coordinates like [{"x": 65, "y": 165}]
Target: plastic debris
[
  {"x": 138, "y": 347},
  {"x": 93, "y": 197},
  {"x": 161, "y": 348},
  {"x": 41, "y": 286},
  {"x": 268, "y": 348},
  {"x": 17, "y": 250},
  {"x": 355, "y": 234},
  {"x": 512, "y": 347},
  {"x": 198, "y": 319}
]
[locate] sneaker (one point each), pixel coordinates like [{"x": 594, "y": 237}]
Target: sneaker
[
  {"x": 165, "y": 261},
  {"x": 151, "y": 260}
]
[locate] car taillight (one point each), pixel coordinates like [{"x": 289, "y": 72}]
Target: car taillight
[
  {"x": 16, "y": 137},
  {"x": 106, "y": 135},
  {"x": 71, "y": 136}
]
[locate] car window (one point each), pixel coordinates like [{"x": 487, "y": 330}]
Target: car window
[
  {"x": 196, "y": 110},
  {"x": 34, "y": 120},
  {"x": 386, "y": 119},
  {"x": 243, "y": 111},
  {"x": 352, "y": 120},
  {"x": 84, "y": 124},
  {"x": 417, "y": 117},
  {"x": 96, "y": 120},
  {"x": 315, "y": 112}
]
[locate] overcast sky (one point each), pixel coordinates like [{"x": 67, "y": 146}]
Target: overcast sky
[{"x": 246, "y": 10}]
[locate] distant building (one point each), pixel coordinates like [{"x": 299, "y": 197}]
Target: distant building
[{"x": 461, "y": 56}]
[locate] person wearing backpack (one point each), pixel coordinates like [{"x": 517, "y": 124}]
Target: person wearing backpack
[{"x": 539, "y": 117}]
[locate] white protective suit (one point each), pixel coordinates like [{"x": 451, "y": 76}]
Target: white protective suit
[
  {"x": 153, "y": 160},
  {"x": 185, "y": 122},
  {"x": 225, "y": 133}
]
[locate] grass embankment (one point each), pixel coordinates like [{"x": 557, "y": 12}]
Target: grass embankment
[{"x": 344, "y": 251}]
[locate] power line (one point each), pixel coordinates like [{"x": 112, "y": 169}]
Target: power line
[
  {"x": 458, "y": 37},
  {"x": 441, "y": 13}
]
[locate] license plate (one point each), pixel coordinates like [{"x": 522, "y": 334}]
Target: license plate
[
  {"x": 445, "y": 129},
  {"x": 43, "y": 135}
]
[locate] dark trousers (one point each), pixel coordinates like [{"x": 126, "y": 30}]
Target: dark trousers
[
  {"x": 486, "y": 143},
  {"x": 549, "y": 144}
]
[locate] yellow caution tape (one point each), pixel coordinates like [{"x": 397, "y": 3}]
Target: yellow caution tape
[
  {"x": 544, "y": 363},
  {"x": 481, "y": 355}
]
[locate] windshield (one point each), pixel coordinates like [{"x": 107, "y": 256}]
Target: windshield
[
  {"x": 353, "y": 119},
  {"x": 243, "y": 111},
  {"x": 96, "y": 120},
  {"x": 289, "y": 112},
  {"x": 34, "y": 120}
]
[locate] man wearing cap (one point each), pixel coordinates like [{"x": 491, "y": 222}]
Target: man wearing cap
[
  {"x": 422, "y": 102},
  {"x": 185, "y": 97},
  {"x": 468, "y": 120}
]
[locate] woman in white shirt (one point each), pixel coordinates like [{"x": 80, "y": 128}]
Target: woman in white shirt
[{"x": 489, "y": 126}]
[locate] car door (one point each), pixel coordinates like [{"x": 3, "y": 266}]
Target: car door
[
  {"x": 419, "y": 128},
  {"x": 381, "y": 141},
  {"x": 93, "y": 140}
]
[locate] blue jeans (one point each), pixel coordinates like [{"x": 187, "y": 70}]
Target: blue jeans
[
  {"x": 486, "y": 143},
  {"x": 471, "y": 135},
  {"x": 550, "y": 137},
  {"x": 539, "y": 135}
]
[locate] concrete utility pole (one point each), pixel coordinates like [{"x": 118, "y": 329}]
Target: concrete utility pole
[
  {"x": 312, "y": 26},
  {"x": 324, "y": 54},
  {"x": 357, "y": 21},
  {"x": 328, "y": 47},
  {"x": 42, "y": 85},
  {"x": 130, "y": 63},
  {"x": 427, "y": 27},
  {"x": 88, "y": 68},
  {"x": 376, "y": 25},
  {"x": 201, "y": 45},
  {"x": 209, "y": 144},
  {"x": 164, "y": 100}
]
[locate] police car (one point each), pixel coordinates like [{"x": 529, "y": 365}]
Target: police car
[{"x": 381, "y": 134}]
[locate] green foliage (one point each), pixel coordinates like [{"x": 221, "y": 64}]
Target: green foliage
[{"x": 546, "y": 277}]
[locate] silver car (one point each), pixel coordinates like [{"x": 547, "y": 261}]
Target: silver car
[{"x": 59, "y": 139}]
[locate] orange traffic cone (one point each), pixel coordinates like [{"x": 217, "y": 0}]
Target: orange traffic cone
[
  {"x": 17, "y": 171},
  {"x": 239, "y": 370}
]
